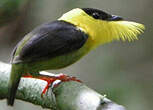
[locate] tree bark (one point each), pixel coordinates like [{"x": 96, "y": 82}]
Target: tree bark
[{"x": 67, "y": 96}]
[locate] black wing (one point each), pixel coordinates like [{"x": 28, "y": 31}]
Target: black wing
[{"x": 50, "y": 40}]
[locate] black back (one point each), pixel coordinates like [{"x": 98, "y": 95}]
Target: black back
[{"x": 50, "y": 40}]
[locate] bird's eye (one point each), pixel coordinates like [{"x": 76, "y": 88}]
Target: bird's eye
[{"x": 95, "y": 15}]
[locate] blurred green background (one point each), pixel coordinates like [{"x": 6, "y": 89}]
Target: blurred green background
[{"x": 121, "y": 70}]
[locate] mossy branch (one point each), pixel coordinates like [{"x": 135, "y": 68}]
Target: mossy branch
[{"x": 67, "y": 96}]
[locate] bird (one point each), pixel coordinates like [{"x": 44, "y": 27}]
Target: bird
[{"x": 62, "y": 42}]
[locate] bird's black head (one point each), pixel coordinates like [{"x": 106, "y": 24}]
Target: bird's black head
[{"x": 99, "y": 14}]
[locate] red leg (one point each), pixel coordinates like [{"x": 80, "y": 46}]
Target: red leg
[{"x": 50, "y": 80}]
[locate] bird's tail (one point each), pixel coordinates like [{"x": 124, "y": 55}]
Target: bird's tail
[{"x": 15, "y": 76}]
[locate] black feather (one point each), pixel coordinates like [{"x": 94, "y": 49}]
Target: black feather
[
  {"x": 101, "y": 15},
  {"x": 51, "y": 40}
]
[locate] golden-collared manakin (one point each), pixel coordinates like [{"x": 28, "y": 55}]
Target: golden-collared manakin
[{"x": 60, "y": 43}]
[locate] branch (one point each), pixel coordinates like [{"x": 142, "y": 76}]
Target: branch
[{"x": 67, "y": 96}]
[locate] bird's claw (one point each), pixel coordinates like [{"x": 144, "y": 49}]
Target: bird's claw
[{"x": 54, "y": 81}]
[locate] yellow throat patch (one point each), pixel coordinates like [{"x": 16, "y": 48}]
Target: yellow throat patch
[{"x": 101, "y": 31}]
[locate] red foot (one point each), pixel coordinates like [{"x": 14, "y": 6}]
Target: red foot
[
  {"x": 62, "y": 77},
  {"x": 51, "y": 79}
]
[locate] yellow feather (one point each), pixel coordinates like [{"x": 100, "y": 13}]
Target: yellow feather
[
  {"x": 126, "y": 30},
  {"x": 101, "y": 31}
]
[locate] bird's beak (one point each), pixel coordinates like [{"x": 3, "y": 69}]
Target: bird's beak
[{"x": 115, "y": 18}]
